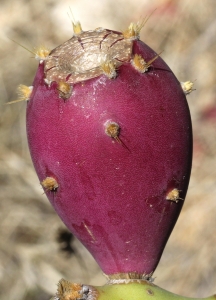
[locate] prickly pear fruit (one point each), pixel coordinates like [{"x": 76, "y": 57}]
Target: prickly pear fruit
[{"x": 110, "y": 137}]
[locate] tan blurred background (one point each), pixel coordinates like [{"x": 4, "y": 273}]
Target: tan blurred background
[{"x": 30, "y": 261}]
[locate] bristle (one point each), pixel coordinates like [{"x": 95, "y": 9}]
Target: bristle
[
  {"x": 109, "y": 69},
  {"x": 65, "y": 90},
  {"x": 41, "y": 53},
  {"x": 24, "y": 93},
  {"x": 50, "y": 184},
  {"x": 187, "y": 87},
  {"x": 134, "y": 29},
  {"x": 173, "y": 195},
  {"x": 140, "y": 64},
  {"x": 112, "y": 129},
  {"x": 23, "y": 47},
  {"x": 77, "y": 28},
  {"x": 153, "y": 59}
]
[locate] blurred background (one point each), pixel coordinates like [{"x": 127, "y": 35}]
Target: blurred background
[{"x": 35, "y": 252}]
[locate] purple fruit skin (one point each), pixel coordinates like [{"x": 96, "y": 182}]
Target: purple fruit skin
[{"x": 112, "y": 196}]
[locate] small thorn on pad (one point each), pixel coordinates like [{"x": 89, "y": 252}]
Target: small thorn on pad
[
  {"x": 50, "y": 184},
  {"x": 187, "y": 87},
  {"x": 65, "y": 90},
  {"x": 173, "y": 195}
]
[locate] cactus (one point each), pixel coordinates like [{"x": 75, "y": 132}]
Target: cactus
[{"x": 110, "y": 136}]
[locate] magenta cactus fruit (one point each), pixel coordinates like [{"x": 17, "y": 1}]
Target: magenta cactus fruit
[{"x": 110, "y": 137}]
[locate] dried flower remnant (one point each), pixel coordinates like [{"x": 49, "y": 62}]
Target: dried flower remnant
[{"x": 80, "y": 58}]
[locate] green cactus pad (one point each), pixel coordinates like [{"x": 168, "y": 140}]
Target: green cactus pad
[{"x": 120, "y": 289}]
